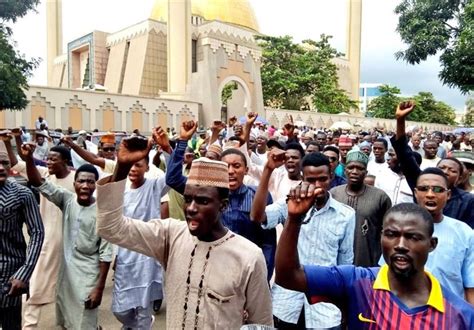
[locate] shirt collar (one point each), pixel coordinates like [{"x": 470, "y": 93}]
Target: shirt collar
[
  {"x": 241, "y": 190},
  {"x": 435, "y": 299}
]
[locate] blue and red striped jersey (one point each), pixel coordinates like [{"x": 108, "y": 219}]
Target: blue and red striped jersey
[{"x": 365, "y": 295}]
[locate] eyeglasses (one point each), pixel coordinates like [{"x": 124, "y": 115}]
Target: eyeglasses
[
  {"x": 435, "y": 189},
  {"x": 108, "y": 149}
]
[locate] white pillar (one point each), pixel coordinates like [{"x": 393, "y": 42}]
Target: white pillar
[
  {"x": 354, "y": 31},
  {"x": 179, "y": 45},
  {"x": 54, "y": 34}
]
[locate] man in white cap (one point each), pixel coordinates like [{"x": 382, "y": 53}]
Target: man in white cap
[{"x": 214, "y": 278}]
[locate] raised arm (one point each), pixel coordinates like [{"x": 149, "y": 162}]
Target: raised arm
[
  {"x": 407, "y": 161},
  {"x": 6, "y": 137},
  {"x": 289, "y": 272},
  {"x": 216, "y": 128},
  {"x": 174, "y": 174},
  {"x": 34, "y": 176},
  {"x": 276, "y": 158},
  {"x": 251, "y": 118},
  {"x": 83, "y": 153}
]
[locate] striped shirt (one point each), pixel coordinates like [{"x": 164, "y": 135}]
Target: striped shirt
[
  {"x": 326, "y": 239},
  {"x": 18, "y": 206},
  {"x": 371, "y": 304}
]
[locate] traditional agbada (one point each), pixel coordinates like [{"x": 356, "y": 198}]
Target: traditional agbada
[{"x": 217, "y": 284}]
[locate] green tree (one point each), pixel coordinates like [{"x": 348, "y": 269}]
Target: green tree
[
  {"x": 294, "y": 75},
  {"x": 384, "y": 105},
  {"x": 468, "y": 119},
  {"x": 430, "y": 110},
  {"x": 14, "y": 68},
  {"x": 447, "y": 27}
]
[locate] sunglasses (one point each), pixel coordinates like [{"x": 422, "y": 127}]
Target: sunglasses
[
  {"x": 435, "y": 189},
  {"x": 108, "y": 149}
]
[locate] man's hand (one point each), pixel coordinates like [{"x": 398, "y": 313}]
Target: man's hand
[
  {"x": 275, "y": 158},
  {"x": 232, "y": 121},
  {"x": 94, "y": 299},
  {"x": 27, "y": 149},
  {"x": 217, "y": 126},
  {"x": 161, "y": 138},
  {"x": 289, "y": 128},
  {"x": 404, "y": 109},
  {"x": 17, "y": 288},
  {"x": 300, "y": 200},
  {"x": 133, "y": 149},
  {"x": 16, "y": 132},
  {"x": 188, "y": 128},
  {"x": 5, "y": 135},
  {"x": 251, "y": 118},
  {"x": 67, "y": 140}
]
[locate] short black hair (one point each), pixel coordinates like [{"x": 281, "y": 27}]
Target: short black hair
[
  {"x": 457, "y": 161},
  {"x": 87, "y": 168},
  {"x": 435, "y": 171},
  {"x": 295, "y": 146},
  {"x": 315, "y": 159},
  {"x": 63, "y": 151},
  {"x": 233, "y": 151},
  {"x": 382, "y": 140},
  {"x": 223, "y": 193},
  {"x": 332, "y": 148},
  {"x": 414, "y": 209},
  {"x": 313, "y": 143}
]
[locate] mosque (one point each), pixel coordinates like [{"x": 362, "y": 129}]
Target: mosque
[{"x": 168, "y": 68}]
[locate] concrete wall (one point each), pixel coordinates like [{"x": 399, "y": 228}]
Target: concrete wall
[
  {"x": 88, "y": 110},
  {"x": 279, "y": 117}
]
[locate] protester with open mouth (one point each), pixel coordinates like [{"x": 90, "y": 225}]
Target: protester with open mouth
[
  {"x": 213, "y": 276},
  {"x": 399, "y": 295}
]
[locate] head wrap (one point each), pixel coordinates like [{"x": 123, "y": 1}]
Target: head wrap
[
  {"x": 108, "y": 138},
  {"x": 345, "y": 141},
  {"x": 357, "y": 156},
  {"x": 211, "y": 173},
  {"x": 215, "y": 148},
  {"x": 365, "y": 144}
]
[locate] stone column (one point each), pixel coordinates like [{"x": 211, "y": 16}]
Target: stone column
[
  {"x": 54, "y": 33},
  {"x": 354, "y": 27},
  {"x": 179, "y": 46}
]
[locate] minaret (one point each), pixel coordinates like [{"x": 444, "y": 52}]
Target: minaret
[
  {"x": 179, "y": 46},
  {"x": 354, "y": 28},
  {"x": 54, "y": 34}
]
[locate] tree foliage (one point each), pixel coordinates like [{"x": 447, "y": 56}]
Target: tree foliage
[
  {"x": 293, "y": 76},
  {"x": 445, "y": 26},
  {"x": 468, "y": 119},
  {"x": 14, "y": 68},
  {"x": 428, "y": 109}
]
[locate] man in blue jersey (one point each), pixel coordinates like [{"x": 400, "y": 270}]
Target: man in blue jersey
[{"x": 399, "y": 295}]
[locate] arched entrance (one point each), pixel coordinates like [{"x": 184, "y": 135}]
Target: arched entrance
[{"x": 235, "y": 98}]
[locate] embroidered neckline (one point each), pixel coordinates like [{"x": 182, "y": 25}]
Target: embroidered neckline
[{"x": 201, "y": 282}]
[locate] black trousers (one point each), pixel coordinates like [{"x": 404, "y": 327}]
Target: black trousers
[
  {"x": 10, "y": 318},
  {"x": 301, "y": 325}
]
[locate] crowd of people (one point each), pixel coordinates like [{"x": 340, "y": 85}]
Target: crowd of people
[{"x": 377, "y": 227}]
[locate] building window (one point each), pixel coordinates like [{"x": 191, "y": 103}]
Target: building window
[{"x": 194, "y": 56}]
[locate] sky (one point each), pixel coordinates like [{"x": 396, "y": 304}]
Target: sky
[{"x": 301, "y": 19}]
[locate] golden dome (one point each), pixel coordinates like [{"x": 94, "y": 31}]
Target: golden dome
[{"x": 238, "y": 12}]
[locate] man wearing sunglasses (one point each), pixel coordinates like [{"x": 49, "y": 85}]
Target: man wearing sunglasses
[
  {"x": 452, "y": 262},
  {"x": 332, "y": 153}
]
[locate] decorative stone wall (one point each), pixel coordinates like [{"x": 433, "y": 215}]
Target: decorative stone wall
[
  {"x": 88, "y": 110},
  {"x": 279, "y": 117}
]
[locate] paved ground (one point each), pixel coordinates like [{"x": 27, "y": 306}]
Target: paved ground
[{"x": 106, "y": 319}]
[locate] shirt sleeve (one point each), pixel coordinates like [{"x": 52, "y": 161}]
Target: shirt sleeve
[
  {"x": 259, "y": 303},
  {"x": 328, "y": 283},
  {"x": 105, "y": 251},
  {"x": 174, "y": 173},
  {"x": 409, "y": 166},
  {"x": 34, "y": 224},
  {"x": 109, "y": 166},
  {"x": 346, "y": 249},
  {"x": 467, "y": 270},
  {"x": 55, "y": 194},
  {"x": 149, "y": 238},
  {"x": 276, "y": 213},
  {"x": 20, "y": 167}
]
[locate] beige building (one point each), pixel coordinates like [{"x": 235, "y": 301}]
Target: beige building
[{"x": 186, "y": 51}]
